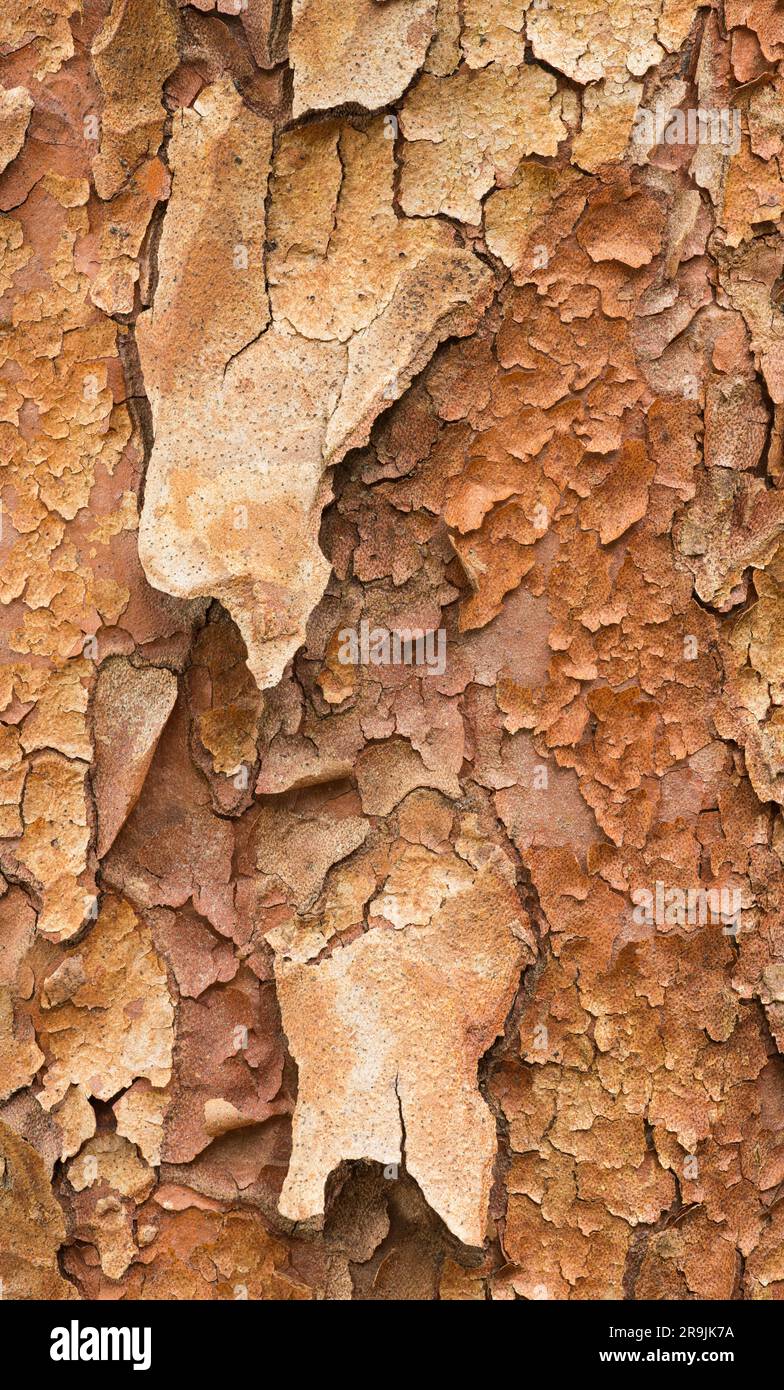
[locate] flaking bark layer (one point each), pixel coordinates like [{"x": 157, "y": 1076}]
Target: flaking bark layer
[{"x": 392, "y": 681}]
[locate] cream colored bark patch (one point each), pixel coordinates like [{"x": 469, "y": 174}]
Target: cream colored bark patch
[
  {"x": 357, "y": 51},
  {"x": 248, "y": 413},
  {"x": 16, "y": 105},
  {"x": 32, "y": 1226},
  {"x": 541, "y": 202},
  {"x": 493, "y": 31},
  {"x": 114, "y": 1020},
  {"x": 41, "y": 25},
  {"x": 590, "y": 39},
  {"x": 130, "y": 708},
  {"x": 463, "y": 133},
  {"x": 607, "y": 45},
  {"x": 133, "y": 54},
  {"x": 404, "y": 1014},
  {"x": 54, "y": 843},
  {"x": 20, "y": 1057}
]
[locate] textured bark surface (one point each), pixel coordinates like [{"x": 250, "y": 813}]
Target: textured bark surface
[{"x": 392, "y": 584}]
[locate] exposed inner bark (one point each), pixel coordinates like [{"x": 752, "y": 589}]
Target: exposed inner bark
[{"x": 392, "y": 580}]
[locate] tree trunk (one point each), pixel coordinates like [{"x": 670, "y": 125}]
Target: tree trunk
[{"x": 393, "y": 683}]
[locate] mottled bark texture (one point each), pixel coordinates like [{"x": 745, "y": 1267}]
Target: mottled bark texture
[{"x": 392, "y": 682}]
